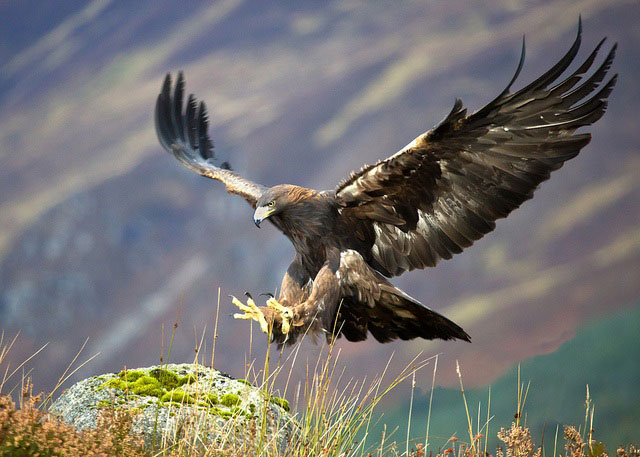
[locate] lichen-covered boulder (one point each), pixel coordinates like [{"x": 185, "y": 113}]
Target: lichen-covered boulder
[{"x": 182, "y": 402}]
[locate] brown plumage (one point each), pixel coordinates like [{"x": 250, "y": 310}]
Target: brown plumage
[{"x": 432, "y": 199}]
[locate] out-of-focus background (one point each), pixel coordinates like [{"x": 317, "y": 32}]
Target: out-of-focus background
[{"x": 103, "y": 234}]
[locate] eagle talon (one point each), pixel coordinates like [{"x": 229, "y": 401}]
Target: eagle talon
[
  {"x": 285, "y": 313},
  {"x": 251, "y": 311}
]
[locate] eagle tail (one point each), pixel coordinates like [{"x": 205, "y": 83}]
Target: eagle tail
[
  {"x": 370, "y": 303},
  {"x": 415, "y": 320},
  {"x": 395, "y": 315}
]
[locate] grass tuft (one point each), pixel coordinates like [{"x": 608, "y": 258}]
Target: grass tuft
[{"x": 333, "y": 417}]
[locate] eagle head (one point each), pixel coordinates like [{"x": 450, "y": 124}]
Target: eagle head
[
  {"x": 272, "y": 201},
  {"x": 286, "y": 200}
]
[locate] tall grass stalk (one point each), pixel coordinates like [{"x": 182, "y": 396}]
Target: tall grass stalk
[
  {"x": 486, "y": 441},
  {"x": 5, "y": 349},
  {"x": 433, "y": 385},
  {"x": 466, "y": 408},
  {"x": 215, "y": 332},
  {"x": 67, "y": 374},
  {"x": 413, "y": 386}
]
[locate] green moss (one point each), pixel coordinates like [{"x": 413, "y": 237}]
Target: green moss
[
  {"x": 168, "y": 379},
  {"x": 130, "y": 376},
  {"x": 244, "y": 381},
  {"x": 281, "y": 402},
  {"x": 149, "y": 390},
  {"x": 155, "y": 384},
  {"x": 230, "y": 400},
  {"x": 222, "y": 413},
  {"x": 252, "y": 407},
  {"x": 145, "y": 381},
  {"x": 179, "y": 396},
  {"x": 165, "y": 385},
  {"x": 116, "y": 383},
  {"x": 105, "y": 404},
  {"x": 188, "y": 379},
  {"x": 136, "y": 383},
  {"x": 235, "y": 411}
]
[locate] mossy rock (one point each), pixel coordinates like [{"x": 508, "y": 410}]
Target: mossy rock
[
  {"x": 283, "y": 403},
  {"x": 167, "y": 398},
  {"x": 230, "y": 400}
]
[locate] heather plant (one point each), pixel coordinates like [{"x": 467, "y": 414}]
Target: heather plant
[{"x": 28, "y": 431}]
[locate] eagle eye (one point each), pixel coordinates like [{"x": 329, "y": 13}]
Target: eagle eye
[{"x": 271, "y": 203}]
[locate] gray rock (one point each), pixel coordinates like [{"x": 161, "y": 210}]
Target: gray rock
[{"x": 173, "y": 402}]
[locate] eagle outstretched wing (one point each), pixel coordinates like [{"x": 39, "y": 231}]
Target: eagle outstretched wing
[
  {"x": 446, "y": 188},
  {"x": 184, "y": 134}
]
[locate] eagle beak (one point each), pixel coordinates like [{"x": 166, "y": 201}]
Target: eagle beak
[{"x": 261, "y": 214}]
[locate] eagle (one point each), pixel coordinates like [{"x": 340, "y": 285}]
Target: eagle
[{"x": 432, "y": 199}]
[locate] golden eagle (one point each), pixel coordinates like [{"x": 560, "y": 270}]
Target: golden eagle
[{"x": 430, "y": 200}]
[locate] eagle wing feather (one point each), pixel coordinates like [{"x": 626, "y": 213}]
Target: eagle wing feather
[
  {"x": 184, "y": 134},
  {"x": 446, "y": 188}
]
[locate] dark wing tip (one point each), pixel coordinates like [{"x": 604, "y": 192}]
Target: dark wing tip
[
  {"x": 507, "y": 89},
  {"x": 166, "y": 85},
  {"x": 455, "y": 332},
  {"x": 579, "y": 24},
  {"x": 183, "y": 127},
  {"x": 163, "y": 125},
  {"x": 205, "y": 145},
  {"x": 523, "y": 54},
  {"x": 176, "y": 106}
]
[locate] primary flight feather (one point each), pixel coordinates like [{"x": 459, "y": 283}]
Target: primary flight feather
[{"x": 430, "y": 200}]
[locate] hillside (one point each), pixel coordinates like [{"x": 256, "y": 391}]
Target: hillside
[
  {"x": 603, "y": 355},
  {"x": 103, "y": 235}
]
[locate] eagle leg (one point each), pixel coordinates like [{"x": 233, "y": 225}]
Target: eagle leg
[
  {"x": 251, "y": 311},
  {"x": 286, "y": 314}
]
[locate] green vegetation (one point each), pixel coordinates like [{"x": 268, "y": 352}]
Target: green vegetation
[
  {"x": 130, "y": 376},
  {"x": 230, "y": 400},
  {"x": 603, "y": 355},
  {"x": 281, "y": 402},
  {"x": 179, "y": 396},
  {"x": 337, "y": 417},
  {"x": 105, "y": 404},
  {"x": 212, "y": 399},
  {"x": 164, "y": 378},
  {"x": 160, "y": 383}
]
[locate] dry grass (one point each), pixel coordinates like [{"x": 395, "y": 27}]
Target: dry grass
[{"x": 334, "y": 416}]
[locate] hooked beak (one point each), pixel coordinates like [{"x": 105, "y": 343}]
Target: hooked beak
[{"x": 261, "y": 214}]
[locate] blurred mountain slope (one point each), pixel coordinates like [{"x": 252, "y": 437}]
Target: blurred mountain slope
[
  {"x": 602, "y": 355},
  {"x": 100, "y": 227}
]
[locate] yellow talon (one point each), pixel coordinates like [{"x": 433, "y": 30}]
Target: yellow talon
[
  {"x": 251, "y": 311},
  {"x": 285, "y": 313}
]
